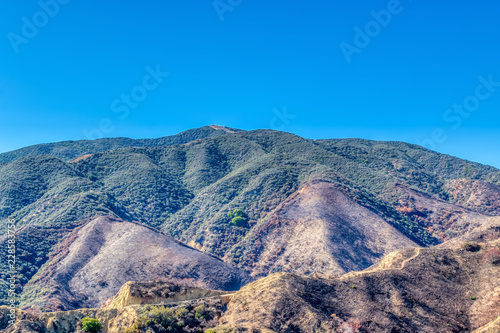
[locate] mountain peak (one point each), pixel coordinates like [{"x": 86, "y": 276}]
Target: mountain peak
[{"x": 225, "y": 129}]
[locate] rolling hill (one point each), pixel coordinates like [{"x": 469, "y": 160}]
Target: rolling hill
[
  {"x": 453, "y": 287},
  {"x": 446, "y": 289},
  {"x": 98, "y": 258},
  {"x": 262, "y": 201}
]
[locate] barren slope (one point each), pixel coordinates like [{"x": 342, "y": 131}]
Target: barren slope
[
  {"x": 450, "y": 288},
  {"x": 106, "y": 253},
  {"x": 443, "y": 219},
  {"x": 475, "y": 194},
  {"x": 413, "y": 290},
  {"x": 319, "y": 229}
]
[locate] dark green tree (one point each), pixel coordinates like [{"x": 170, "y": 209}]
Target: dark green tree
[{"x": 238, "y": 221}]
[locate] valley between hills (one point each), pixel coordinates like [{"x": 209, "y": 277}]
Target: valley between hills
[{"x": 223, "y": 230}]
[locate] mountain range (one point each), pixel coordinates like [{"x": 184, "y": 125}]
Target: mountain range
[{"x": 218, "y": 208}]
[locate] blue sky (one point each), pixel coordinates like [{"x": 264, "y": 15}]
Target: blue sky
[{"x": 416, "y": 71}]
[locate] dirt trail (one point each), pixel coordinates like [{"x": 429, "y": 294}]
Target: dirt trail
[{"x": 417, "y": 252}]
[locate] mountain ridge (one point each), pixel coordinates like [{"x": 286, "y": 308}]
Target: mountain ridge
[
  {"x": 67, "y": 150},
  {"x": 270, "y": 183}
]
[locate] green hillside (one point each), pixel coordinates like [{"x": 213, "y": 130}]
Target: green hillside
[
  {"x": 68, "y": 150},
  {"x": 187, "y": 188}
]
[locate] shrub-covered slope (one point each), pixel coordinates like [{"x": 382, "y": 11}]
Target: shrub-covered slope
[
  {"x": 237, "y": 194},
  {"x": 68, "y": 150}
]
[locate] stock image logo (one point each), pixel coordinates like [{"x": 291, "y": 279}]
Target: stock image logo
[
  {"x": 364, "y": 35},
  {"x": 32, "y": 25}
]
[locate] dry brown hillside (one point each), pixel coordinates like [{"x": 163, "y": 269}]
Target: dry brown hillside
[
  {"x": 476, "y": 195},
  {"x": 440, "y": 289},
  {"x": 443, "y": 219},
  {"x": 320, "y": 229},
  {"x": 454, "y": 287},
  {"x": 100, "y": 257}
]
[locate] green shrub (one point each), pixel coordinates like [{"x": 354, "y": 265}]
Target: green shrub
[
  {"x": 238, "y": 213},
  {"x": 181, "y": 312},
  {"x": 160, "y": 315},
  {"x": 91, "y": 325},
  {"x": 155, "y": 316},
  {"x": 200, "y": 311},
  {"x": 238, "y": 221},
  {"x": 238, "y": 217}
]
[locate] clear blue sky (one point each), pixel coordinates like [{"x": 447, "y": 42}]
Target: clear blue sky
[{"x": 73, "y": 73}]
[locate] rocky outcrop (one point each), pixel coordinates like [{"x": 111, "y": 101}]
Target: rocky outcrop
[
  {"x": 112, "y": 320},
  {"x": 133, "y": 293},
  {"x": 194, "y": 310}
]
